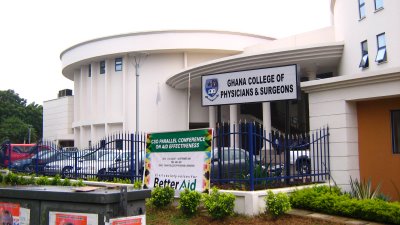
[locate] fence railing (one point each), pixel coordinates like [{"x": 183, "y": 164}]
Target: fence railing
[
  {"x": 244, "y": 156},
  {"x": 247, "y": 157},
  {"x": 116, "y": 156}
]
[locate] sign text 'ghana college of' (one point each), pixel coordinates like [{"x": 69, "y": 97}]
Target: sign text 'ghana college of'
[{"x": 260, "y": 85}]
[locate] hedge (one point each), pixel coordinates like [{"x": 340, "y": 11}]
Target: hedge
[{"x": 330, "y": 200}]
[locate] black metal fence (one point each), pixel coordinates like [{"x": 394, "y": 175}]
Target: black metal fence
[
  {"x": 117, "y": 156},
  {"x": 244, "y": 155},
  {"x": 247, "y": 157}
]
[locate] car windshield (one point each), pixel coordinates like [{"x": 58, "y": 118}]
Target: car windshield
[{"x": 107, "y": 157}]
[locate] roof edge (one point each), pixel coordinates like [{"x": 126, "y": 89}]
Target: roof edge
[{"x": 164, "y": 31}]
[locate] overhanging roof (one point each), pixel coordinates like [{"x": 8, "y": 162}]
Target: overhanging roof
[{"x": 321, "y": 55}]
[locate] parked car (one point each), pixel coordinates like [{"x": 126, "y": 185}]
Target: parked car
[
  {"x": 84, "y": 163},
  {"x": 95, "y": 164},
  {"x": 122, "y": 167},
  {"x": 299, "y": 151},
  {"x": 233, "y": 162},
  {"x": 65, "y": 167},
  {"x": 25, "y": 165},
  {"x": 12, "y": 152}
]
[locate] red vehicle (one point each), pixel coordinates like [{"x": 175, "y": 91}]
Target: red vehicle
[{"x": 12, "y": 152}]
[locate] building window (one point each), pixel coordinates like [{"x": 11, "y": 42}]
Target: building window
[
  {"x": 102, "y": 67},
  {"x": 381, "y": 55},
  {"x": 361, "y": 7},
  {"x": 118, "y": 64},
  {"x": 378, "y": 4},
  {"x": 395, "y": 120},
  {"x": 364, "y": 55},
  {"x": 90, "y": 70}
]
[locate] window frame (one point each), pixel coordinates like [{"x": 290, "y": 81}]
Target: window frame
[
  {"x": 380, "y": 7},
  {"x": 395, "y": 144},
  {"x": 102, "y": 67},
  {"x": 361, "y": 9},
  {"x": 364, "y": 55},
  {"x": 381, "y": 51},
  {"x": 118, "y": 64}
]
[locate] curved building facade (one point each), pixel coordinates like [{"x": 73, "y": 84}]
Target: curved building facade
[{"x": 105, "y": 72}]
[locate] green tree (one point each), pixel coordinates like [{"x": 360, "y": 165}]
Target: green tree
[{"x": 16, "y": 117}]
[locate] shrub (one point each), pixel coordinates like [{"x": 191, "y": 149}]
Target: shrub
[
  {"x": 43, "y": 181},
  {"x": 56, "y": 180},
  {"x": 66, "y": 182},
  {"x": 219, "y": 205},
  {"x": 12, "y": 179},
  {"x": 161, "y": 197},
  {"x": 332, "y": 202},
  {"x": 189, "y": 202},
  {"x": 137, "y": 184},
  {"x": 78, "y": 183},
  {"x": 277, "y": 204}
]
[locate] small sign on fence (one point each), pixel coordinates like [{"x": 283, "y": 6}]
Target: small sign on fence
[{"x": 179, "y": 160}]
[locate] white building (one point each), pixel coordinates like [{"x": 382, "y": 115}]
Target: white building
[{"x": 350, "y": 75}]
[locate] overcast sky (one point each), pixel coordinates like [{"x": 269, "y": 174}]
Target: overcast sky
[{"x": 35, "y": 32}]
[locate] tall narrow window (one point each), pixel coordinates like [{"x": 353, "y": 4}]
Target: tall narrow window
[
  {"x": 364, "y": 55},
  {"x": 90, "y": 70},
  {"x": 361, "y": 7},
  {"x": 395, "y": 120},
  {"x": 381, "y": 55},
  {"x": 378, "y": 4},
  {"x": 118, "y": 64},
  {"x": 102, "y": 67}
]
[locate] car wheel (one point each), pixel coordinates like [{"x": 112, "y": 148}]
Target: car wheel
[
  {"x": 66, "y": 172},
  {"x": 304, "y": 167},
  {"x": 101, "y": 175},
  {"x": 27, "y": 168}
]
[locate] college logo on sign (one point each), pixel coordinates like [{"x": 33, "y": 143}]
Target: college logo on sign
[{"x": 211, "y": 89}]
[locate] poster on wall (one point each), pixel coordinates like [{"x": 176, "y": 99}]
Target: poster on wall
[
  {"x": 69, "y": 218},
  {"x": 9, "y": 213},
  {"x": 132, "y": 220},
  {"x": 179, "y": 160}
]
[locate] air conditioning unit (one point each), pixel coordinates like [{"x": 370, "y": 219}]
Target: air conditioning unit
[{"x": 65, "y": 92}]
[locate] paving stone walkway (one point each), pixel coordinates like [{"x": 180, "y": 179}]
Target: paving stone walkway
[{"x": 305, "y": 213}]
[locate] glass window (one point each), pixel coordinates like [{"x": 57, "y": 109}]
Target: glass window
[
  {"x": 378, "y": 4},
  {"x": 118, "y": 64},
  {"x": 361, "y": 6},
  {"x": 90, "y": 70},
  {"x": 364, "y": 55},
  {"x": 102, "y": 67},
  {"x": 381, "y": 55},
  {"x": 395, "y": 119}
]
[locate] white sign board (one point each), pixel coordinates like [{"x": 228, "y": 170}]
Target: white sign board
[
  {"x": 261, "y": 85},
  {"x": 179, "y": 159}
]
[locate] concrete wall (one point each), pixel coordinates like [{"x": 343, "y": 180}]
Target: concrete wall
[
  {"x": 350, "y": 29},
  {"x": 59, "y": 116}
]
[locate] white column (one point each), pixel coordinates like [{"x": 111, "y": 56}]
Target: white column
[
  {"x": 211, "y": 116},
  {"x": 233, "y": 119},
  {"x": 266, "y": 107}
]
